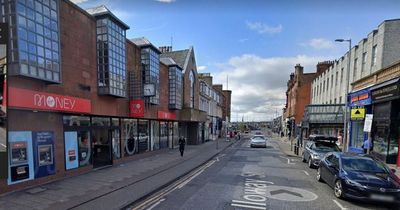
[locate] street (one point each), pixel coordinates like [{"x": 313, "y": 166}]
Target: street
[{"x": 251, "y": 178}]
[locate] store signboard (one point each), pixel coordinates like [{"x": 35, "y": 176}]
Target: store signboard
[
  {"x": 136, "y": 108},
  {"x": 23, "y": 98},
  {"x": 386, "y": 93},
  {"x": 21, "y": 167},
  {"x": 166, "y": 115},
  {"x": 3, "y": 100},
  {"x": 43, "y": 149},
  {"x": 71, "y": 150}
]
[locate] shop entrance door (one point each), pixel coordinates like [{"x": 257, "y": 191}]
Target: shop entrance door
[{"x": 101, "y": 147}]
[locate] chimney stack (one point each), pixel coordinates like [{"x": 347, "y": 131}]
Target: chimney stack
[{"x": 165, "y": 49}]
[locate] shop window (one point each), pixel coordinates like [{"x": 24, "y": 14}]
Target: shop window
[
  {"x": 77, "y": 149},
  {"x": 116, "y": 142},
  {"x": 129, "y": 136},
  {"x": 100, "y": 121},
  {"x": 143, "y": 135},
  {"x": 76, "y": 121},
  {"x": 163, "y": 135},
  {"x": 155, "y": 134}
]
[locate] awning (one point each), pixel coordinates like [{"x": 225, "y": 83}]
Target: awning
[{"x": 383, "y": 84}]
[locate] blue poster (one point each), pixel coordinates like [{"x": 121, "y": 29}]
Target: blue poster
[
  {"x": 71, "y": 150},
  {"x": 43, "y": 151},
  {"x": 20, "y": 157}
]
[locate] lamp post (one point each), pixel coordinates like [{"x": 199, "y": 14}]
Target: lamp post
[{"x": 345, "y": 139}]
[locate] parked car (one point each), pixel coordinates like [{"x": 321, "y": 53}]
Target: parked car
[
  {"x": 315, "y": 150},
  {"x": 258, "y": 141},
  {"x": 359, "y": 176}
]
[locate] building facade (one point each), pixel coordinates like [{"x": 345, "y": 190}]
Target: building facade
[
  {"x": 82, "y": 96},
  {"x": 379, "y": 50},
  {"x": 378, "y": 94}
]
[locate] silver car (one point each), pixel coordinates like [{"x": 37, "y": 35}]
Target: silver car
[{"x": 258, "y": 141}]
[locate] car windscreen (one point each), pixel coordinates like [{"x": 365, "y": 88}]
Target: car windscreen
[
  {"x": 258, "y": 139},
  {"x": 363, "y": 164},
  {"x": 326, "y": 147}
]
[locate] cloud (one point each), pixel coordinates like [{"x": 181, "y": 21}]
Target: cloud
[
  {"x": 201, "y": 68},
  {"x": 78, "y": 1},
  {"x": 319, "y": 44},
  {"x": 166, "y": 1},
  {"x": 262, "y": 28},
  {"x": 259, "y": 84}
]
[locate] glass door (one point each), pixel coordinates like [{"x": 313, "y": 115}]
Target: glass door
[{"x": 101, "y": 147}]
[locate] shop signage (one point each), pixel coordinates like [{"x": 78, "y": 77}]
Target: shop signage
[
  {"x": 360, "y": 98},
  {"x": 386, "y": 92},
  {"x": 136, "y": 108},
  {"x": 166, "y": 115},
  {"x": 357, "y": 113},
  {"x": 23, "y": 98}
]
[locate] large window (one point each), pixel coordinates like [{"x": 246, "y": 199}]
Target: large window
[
  {"x": 151, "y": 71},
  {"x": 191, "y": 80},
  {"x": 374, "y": 51},
  {"x": 35, "y": 40},
  {"x": 111, "y": 58},
  {"x": 175, "y": 87}
]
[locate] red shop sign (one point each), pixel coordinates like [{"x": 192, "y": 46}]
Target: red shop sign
[
  {"x": 23, "y": 98},
  {"x": 136, "y": 108},
  {"x": 166, "y": 115}
]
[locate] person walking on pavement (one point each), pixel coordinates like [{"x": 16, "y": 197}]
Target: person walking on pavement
[
  {"x": 367, "y": 144},
  {"x": 182, "y": 143}
]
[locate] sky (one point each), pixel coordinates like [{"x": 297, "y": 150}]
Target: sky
[{"x": 252, "y": 46}]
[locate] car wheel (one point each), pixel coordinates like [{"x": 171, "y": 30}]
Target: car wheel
[
  {"x": 319, "y": 178},
  {"x": 338, "y": 189},
  {"x": 310, "y": 165}
]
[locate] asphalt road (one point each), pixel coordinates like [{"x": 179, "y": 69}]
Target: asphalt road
[{"x": 254, "y": 178}]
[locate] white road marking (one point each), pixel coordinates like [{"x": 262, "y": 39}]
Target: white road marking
[
  {"x": 248, "y": 202},
  {"x": 339, "y": 205},
  {"x": 288, "y": 161},
  {"x": 3, "y": 145},
  {"x": 156, "y": 204},
  {"x": 195, "y": 175},
  {"x": 247, "y": 206},
  {"x": 306, "y": 173}
]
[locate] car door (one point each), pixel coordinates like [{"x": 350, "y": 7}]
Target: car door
[{"x": 333, "y": 169}]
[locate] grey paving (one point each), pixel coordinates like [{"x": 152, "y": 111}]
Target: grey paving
[{"x": 117, "y": 186}]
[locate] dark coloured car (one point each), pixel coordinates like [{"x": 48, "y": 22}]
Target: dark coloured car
[
  {"x": 315, "y": 150},
  {"x": 359, "y": 176},
  {"x": 258, "y": 141}
]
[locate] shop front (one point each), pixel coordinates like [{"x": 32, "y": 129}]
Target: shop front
[
  {"x": 386, "y": 121},
  {"x": 360, "y": 104}
]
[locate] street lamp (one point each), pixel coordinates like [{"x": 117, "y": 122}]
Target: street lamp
[{"x": 345, "y": 139}]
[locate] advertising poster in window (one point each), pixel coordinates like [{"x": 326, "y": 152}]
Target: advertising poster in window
[
  {"x": 20, "y": 152},
  {"x": 71, "y": 150},
  {"x": 3, "y": 100},
  {"x": 43, "y": 144}
]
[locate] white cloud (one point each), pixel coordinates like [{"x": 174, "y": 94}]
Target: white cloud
[
  {"x": 166, "y": 1},
  {"x": 78, "y": 1},
  {"x": 262, "y": 28},
  {"x": 259, "y": 84},
  {"x": 243, "y": 40},
  {"x": 319, "y": 44},
  {"x": 201, "y": 68}
]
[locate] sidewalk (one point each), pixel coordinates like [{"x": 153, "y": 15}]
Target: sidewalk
[
  {"x": 285, "y": 145},
  {"x": 117, "y": 186}
]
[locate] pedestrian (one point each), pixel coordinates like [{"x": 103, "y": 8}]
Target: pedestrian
[
  {"x": 182, "y": 143},
  {"x": 365, "y": 146}
]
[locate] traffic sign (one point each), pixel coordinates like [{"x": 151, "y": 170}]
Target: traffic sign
[{"x": 357, "y": 113}]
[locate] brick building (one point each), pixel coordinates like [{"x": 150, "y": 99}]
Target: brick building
[
  {"x": 82, "y": 96},
  {"x": 298, "y": 94}
]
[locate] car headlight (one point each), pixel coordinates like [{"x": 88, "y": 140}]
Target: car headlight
[
  {"x": 354, "y": 183},
  {"x": 315, "y": 156}
]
